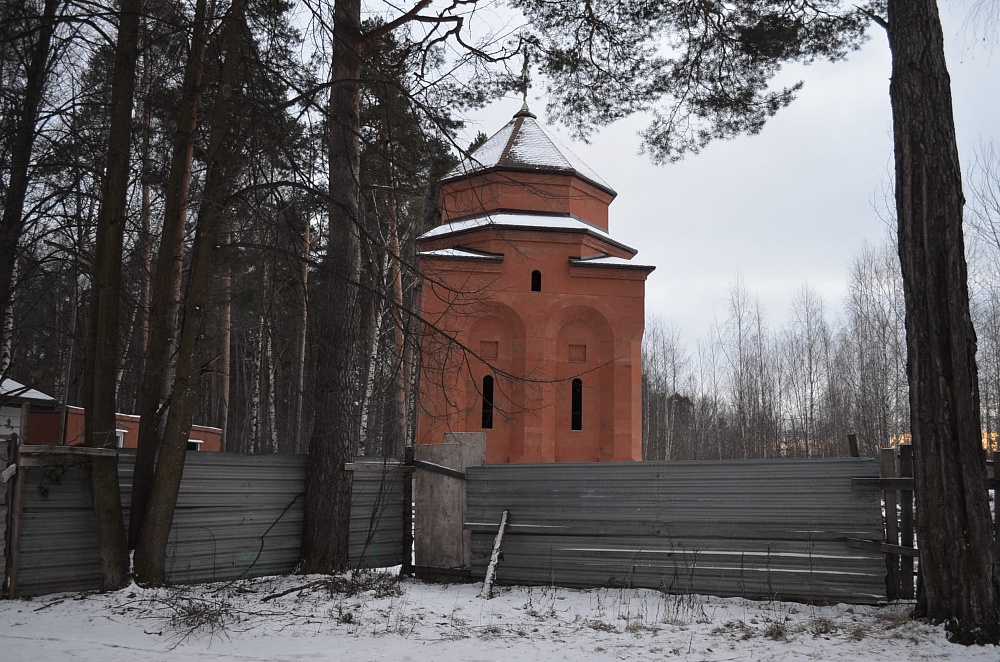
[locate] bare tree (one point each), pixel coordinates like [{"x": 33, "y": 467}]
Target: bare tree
[
  {"x": 100, "y": 393},
  {"x": 875, "y": 356},
  {"x": 169, "y": 262},
  {"x": 343, "y": 309},
  {"x": 151, "y": 543},
  {"x": 807, "y": 367},
  {"x": 984, "y": 221},
  {"x": 18, "y": 131},
  {"x": 665, "y": 378}
]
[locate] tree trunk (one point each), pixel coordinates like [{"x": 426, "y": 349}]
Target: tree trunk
[
  {"x": 144, "y": 245},
  {"x": 168, "y": 275},
  {"x": 150, "y": 553},
  {"x": 272, "y": 391},
  {"x": 225, "y": 337},
  {"x": 22, "y": 142},
  {"x": 401, "y": 374},
  {"x": 958, "y": 583},
  {"x": 301, "y": 336},
  {"x": 256, "y": 390},
  {"x": 334, "y": 436},
  {"x": 103, "y": 333}
]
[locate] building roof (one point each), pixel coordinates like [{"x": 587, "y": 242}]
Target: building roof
[
  {"x": 463, "y": 254},
  {"x": 525, "y": 146},
  {"x": 608, "y": 261},
  {"x": 12, "y": 391},
  {"x": 522, "y": 220}
]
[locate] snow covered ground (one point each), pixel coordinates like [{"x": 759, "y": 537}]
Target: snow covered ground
[{"x": 378, "y": 617}]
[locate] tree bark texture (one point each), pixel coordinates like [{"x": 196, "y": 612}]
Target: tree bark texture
[
  {"x": 959, "y": 586},
  {"x": 338, "y": 314},
  {"x": 395, "y": 448},
  {"x": 150, "y": 553},
  {"x": 224, "y": 365},
  {"x": 21, "y": 145},
  {"x": 103, "y": 333},
  {"x": 169, "y": 261},
  {"x": 301, "y": 338},
  {"x": 144, "y": 243}
]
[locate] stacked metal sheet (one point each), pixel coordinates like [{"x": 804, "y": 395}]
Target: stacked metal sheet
[
  {"x": 762, "y": 529},
  {"x": 237, "y": 516}
]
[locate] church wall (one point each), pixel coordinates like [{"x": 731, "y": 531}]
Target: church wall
[{"x": 600, "y": 309}]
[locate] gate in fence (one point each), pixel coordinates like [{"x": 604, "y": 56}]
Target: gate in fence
[{"x": 900, "y": 543}]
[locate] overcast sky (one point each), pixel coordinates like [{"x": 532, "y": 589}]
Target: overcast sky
[{"x": 787, "y": 207}]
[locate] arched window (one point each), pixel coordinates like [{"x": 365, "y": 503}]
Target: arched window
[
  {"x": 536, "y": 281},
  {"x": 488, "y": 402},
  {"x": 576, "y": 422}
]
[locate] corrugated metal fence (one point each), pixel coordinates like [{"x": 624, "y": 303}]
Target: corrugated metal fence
[
  {"x": 3, "y": 513},
  {"x": 770, "y": 528},
  {"x": 237, "y": 516}
]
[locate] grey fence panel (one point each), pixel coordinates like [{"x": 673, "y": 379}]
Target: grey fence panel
[
  {"x": 58, "y": 533},
  {"x": 770, "y": 528},
  {"x": 377, "y": 514},
  {"x": 237, "y": 516}
]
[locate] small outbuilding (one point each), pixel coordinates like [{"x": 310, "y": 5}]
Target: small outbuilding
[{"x": 39, "y": 419}]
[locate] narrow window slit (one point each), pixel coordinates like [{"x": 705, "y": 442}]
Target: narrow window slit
[
  {"x": 577, "y": 412},
  {"x": 488, "y": 402}
]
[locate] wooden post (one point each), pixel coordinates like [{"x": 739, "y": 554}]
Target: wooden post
[
  {"x": 15, "y": 491},
  {"x": 22, "y": 433},
  {"x": 852, "y": 443},
  {"x": 63, "y": 420},
  {"x": 491, "y": 570},
  {"x": 887, "y": 469},
  {"x": 906, "y": 520},
  {"x": 996, "y": 505},
  {"x": 407, "y": 568}
]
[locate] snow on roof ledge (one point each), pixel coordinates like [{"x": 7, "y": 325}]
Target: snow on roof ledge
[
  {"x": 14, "y": 390},
  {"x": 607, "y": 261},
  {"x": 526, "y": 220},
  {"x": 461, "y": 254}
]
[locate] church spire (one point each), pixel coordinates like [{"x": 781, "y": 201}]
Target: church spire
[
  {"x": 524, "y": 112},
  {"x": 525, "y": 76}
]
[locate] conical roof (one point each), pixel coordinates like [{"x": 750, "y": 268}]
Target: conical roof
[{"x": 525, "y": 146}]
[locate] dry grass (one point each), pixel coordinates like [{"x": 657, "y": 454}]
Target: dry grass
[{"x": 776, "y": 632}]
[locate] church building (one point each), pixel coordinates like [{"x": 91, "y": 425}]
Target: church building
[{"x": 534, "y": 313}]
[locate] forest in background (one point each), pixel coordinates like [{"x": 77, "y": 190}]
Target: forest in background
[
  {"x": 797, "y": 386},
  {"x": 255, "y": 355}
]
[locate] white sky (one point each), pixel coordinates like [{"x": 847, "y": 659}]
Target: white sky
[{"x": 781, "y": 209}]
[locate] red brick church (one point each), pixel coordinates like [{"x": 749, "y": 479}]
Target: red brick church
[{"x": 535, "y": 312}]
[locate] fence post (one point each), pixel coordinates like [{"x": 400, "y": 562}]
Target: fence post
[
  {"x": 906, "y": 519},
  {"x": 996, "y": 504},
  {"x": 407, "y": 568},
  {"x": 852, "y": 444},
  {"x": 887, "y": 469},
  {"x": 15, "y": 492}
]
